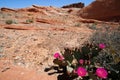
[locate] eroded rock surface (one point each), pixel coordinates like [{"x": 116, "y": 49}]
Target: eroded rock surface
[{"x": 107, "y": 10}]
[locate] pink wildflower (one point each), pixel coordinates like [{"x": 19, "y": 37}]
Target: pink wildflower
[
  {"x": 102, "y": 46},
  {"x": 101, "y": 72},
  {"x": 56, "y": 55},
  {"x": 81, "y": 71},
  {"x": 81, "y": 61}
]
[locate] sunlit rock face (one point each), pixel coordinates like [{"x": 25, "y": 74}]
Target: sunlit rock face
[{"x": 107, "y": 10}]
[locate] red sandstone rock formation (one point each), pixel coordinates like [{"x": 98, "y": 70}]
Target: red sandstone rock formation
[
  {"x": 49, "y": 21},
  {"x": 75, "y": 5},
  {"x": 107, "y": 10},
  {"x": 7, "y": 9}
]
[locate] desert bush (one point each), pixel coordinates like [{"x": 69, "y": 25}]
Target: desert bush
[
  {"x": 8, "y": 21},
  {"x": 29, "y": 21},
  {"x": 92, "y": 61},
  {"x": 93, "y": 26},
  {"x": 110, "y": 37},
  {"x": 29, "y": 14}
]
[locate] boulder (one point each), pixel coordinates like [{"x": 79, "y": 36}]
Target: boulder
[{"x": 106, "y": 10}]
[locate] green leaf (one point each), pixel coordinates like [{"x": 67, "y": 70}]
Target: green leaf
[
  {"x": 94, "y": 52},
  {"x": 60, "y": 62},
  {"x": 85, "y": 50},
  {"x": 77, "y": 55},
  {"x": 68, "y": 57}
]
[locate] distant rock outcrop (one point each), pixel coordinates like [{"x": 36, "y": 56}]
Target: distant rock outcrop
[
  {"x": 74, "y": 5},
  {"x": 7, "y": 9},
  {"x": 106, "y": 10}
]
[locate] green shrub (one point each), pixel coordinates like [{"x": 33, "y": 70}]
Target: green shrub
[
  {"x": 29, "y": 21},
  {"x": 83, "y": 63},
  {"x": 9, "y": 22},
  {"x": 112, "y": 40},
  {"x": 30, "y": 14},
  {"x": 93, "y": 26}
]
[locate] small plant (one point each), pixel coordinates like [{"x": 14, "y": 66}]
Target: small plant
[
  {"x": 9, "y": 22},
  {"x": 30, "y": 14},
  {"x": 29, "y": 21},
  {"x": 93, "y": 26}
]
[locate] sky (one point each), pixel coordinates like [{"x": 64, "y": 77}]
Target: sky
[{"x": 27, "y": 3}]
